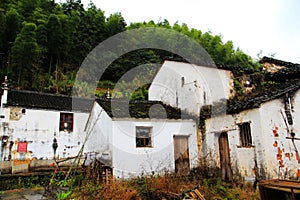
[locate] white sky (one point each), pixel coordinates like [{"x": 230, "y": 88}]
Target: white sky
[{"x": 270, "y": 26}]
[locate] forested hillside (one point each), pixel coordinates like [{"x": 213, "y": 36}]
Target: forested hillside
[{"x": 43, "y": 43}]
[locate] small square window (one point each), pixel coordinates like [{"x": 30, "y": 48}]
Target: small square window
[
  {"x": 143, "y": 136},
  {"x": 245, "y": 135},
  {"x": 66, "y": 122}
]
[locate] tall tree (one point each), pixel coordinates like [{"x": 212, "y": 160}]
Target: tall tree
[
  {"x": 54, "y": 39},
  {"x": 2, "y": 29},
  {"x": 12, "y": 28},
  {"x": 24, "y": 56},
  {"x": 26, "y": 7},
  {"x": 72, "y": 5},
  {"x": 115, "y": 24}
]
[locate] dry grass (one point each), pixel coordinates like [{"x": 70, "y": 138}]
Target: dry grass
[{"x": 163, "y": 187}]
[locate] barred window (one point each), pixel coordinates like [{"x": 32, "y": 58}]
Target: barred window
[
  {"x": 66, "y": 122},
  {"x": 143, "y": 136},
  {"x": 245, "y": 135}
]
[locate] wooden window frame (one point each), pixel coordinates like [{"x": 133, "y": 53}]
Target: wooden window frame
[
  {"x": 143, "y": 142},
  {"x": 67, "y": 118},
  {"x": 245, "y": 135}
]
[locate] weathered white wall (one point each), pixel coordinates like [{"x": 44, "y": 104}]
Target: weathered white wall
[
  {"x": 189, "y": 86},
  {"x": 128, "y": 160},
  {"x": 275, "y": 155},
  {"x": 280, "y": 155},
  {"x": 242, "y": 158},
  {"x": 115, "y": 138},
  {"x": 38, "y": 128},
  {"x": 99, "y": 133}
]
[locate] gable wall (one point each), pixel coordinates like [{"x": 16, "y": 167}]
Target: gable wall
[
  {"x": 188, "y": 86},
  {"x": 99, "y": 135}
]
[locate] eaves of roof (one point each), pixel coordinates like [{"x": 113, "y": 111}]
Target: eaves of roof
[
  {"x": 276, "y": 62},
  {"x": 36, "y": 100},
  {"x": 234, "y": 106}
]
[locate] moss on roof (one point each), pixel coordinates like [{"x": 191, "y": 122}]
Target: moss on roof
[{"x": 141, "y": 109}]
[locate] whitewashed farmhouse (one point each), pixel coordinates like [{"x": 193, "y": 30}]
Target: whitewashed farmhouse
[
  {"x": 135, "y": 138},
  {"x": 36, "y": 127}
]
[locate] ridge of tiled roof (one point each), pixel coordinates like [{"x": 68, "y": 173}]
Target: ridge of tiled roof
[
  {"x": 266, "y": 59},
  {"x": 270, "y": 94},
  {"x": 234, "y": 106},
  {"x": 219, "y": 66},
  {"x": 245, "y": 70},
  {"x": 37, "y": 100},
  {"x": 141, "y": 109},
  {"x": 291, "y": 72}
]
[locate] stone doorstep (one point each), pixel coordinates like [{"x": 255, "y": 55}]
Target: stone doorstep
[{"x": 22, "y": 168}]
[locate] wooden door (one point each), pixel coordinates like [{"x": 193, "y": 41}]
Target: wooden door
[
  {"x": 226, "y": 172},
  {"x": 181, "y": 153}
]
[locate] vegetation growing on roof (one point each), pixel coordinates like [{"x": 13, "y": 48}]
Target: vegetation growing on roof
[{"x": 141, "y": 109}]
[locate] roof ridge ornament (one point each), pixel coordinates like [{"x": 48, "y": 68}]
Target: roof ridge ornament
[{"x": 107, "y": 94}]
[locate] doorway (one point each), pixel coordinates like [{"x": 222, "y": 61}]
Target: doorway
[
  {"x": 226, "y": 172},
  {"x": 181, "y": 153}
]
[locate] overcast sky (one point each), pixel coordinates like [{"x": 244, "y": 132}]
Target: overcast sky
[{"x": 270, "y": 26}]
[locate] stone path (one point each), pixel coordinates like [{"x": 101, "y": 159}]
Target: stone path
[{"x": 20, "y": 194}]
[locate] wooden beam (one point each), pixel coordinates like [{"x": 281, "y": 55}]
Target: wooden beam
[{"x": 292, "y": 138}]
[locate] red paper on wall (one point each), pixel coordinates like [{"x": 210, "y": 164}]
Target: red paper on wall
[{"x": 22, "y": 147}]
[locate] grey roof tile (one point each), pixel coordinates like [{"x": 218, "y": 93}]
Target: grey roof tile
[{"x": 36, "y": 100}]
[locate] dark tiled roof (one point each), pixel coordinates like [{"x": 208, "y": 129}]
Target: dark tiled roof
[
  {"x": 272, "y": 93},
  {"x": 29, "y": 99},
  {"x": 290, "y": 70},
  {"x": 233, "y": 106},
  {"x": 276, "y": 62},
  {"x": 287, "y": 80},
  {"x": 141, "y": 109}
]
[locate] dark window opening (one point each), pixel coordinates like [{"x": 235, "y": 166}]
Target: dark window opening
[
  {"x": 143, "y": 136},
  {"x": 245, "y": 135},
  {"x": 66, "y": 122}
]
